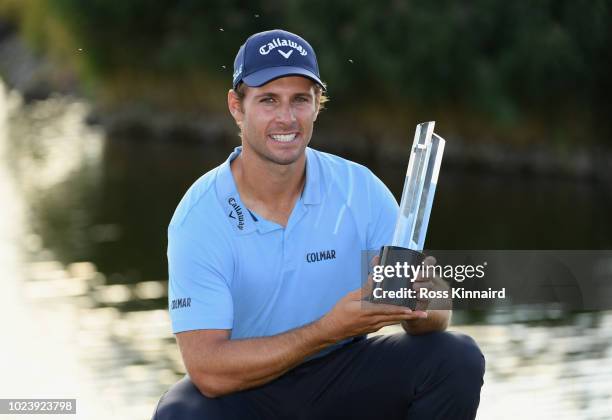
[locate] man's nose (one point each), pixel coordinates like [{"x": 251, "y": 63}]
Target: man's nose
[{"x": 285, "y": 113}]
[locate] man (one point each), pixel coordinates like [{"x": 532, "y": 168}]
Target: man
[{"x": 264, "y": 260}]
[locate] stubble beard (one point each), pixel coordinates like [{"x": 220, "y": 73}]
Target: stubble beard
[{"x": 268, "y": 156}]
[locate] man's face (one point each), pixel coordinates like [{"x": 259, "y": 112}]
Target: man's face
[{"x": 276, "y": 119}]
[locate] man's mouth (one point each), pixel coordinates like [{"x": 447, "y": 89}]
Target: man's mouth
[{"x": 283, "y": 138}]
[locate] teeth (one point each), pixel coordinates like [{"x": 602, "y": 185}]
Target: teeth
[{"x": 283, "y": 138}]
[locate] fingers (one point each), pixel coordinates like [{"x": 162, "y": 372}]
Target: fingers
[
  {"x": 426, "y": 274},
  {"x": 355, "y": 294},
  {"x": 385, "y": 309},
  {"x": 375, "y": 261},
  {"x": 383, "y": 322},
  {"x": 367, "y": 288},
  {"x": 422, "y": 304},
  {"x": 419, "y": 313},
  {"x": 403, "y": 317},
  {"x": 364, "y": 292},
  {"x": 429, "y": 260},
  {"x": 422, "y": 288},
  {"x": 423, "y": 284}
]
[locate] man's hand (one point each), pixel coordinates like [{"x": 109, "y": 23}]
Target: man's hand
[
  {"x": 352, "y": 316},
  {"x": 438, "y": 318}
]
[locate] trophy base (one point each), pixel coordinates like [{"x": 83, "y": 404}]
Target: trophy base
[{"x": 391, "y": 255}]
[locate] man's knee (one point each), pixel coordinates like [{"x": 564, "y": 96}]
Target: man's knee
[
  {"x": 448, "y": 376},
  {"x": 181, "y": 401},
  {"x": 451, "y": 354},
  {"x": 462, "y": 358}
]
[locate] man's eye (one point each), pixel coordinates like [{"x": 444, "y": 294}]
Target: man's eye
[
  {"x": 301, "y": 99},
  {"x": 267, "y": 100}
]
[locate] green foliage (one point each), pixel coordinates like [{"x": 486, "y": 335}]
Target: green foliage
[{"x": 497, "y": 58}]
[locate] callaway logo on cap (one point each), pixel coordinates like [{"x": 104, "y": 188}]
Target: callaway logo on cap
[{"x": 266, "y": 56}]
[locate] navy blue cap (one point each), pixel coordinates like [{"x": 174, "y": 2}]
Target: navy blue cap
[{"x": 266, "y": 56}]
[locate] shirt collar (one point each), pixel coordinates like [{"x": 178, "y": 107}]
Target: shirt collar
[
  {"x": 312, "y": 189},
  {"x": 237, "y": 213}
]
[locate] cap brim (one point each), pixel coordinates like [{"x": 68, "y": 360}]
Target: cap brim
[{"x": 261, "y": 77}]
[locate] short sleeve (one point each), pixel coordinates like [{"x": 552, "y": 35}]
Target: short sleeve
[
  {"x": 199, "y": 270},
  {"x": 384, "y": 211}
]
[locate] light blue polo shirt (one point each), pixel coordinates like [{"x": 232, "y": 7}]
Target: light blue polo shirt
[{"x": 229, "y": 268}]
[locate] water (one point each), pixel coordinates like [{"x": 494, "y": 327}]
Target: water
[{"x": 82, "y": 261}]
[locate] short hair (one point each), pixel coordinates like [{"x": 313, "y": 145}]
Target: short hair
[{"x": 323, "y": 98}]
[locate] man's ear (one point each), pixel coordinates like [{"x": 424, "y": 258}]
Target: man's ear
[{"x": 235, "y": 106}]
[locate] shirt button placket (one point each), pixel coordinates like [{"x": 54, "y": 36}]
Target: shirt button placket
[{"x": 289, "y": 256}]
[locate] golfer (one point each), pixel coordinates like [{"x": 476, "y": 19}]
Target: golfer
[{"x": 264, "y": 256}]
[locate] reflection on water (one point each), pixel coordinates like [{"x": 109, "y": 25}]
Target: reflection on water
[
  {"x": 545, "y": 371},
  {"x": 82, "y": 254}
]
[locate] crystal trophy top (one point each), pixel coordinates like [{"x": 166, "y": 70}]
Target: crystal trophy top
[{"x": 419, "y": 188}]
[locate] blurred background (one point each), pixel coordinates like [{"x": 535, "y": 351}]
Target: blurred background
[{"x": 109, "y": 111}]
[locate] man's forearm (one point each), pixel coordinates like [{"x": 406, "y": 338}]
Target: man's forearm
[
  {"x": 437, "y": 320},
  {"x": 234, "y": 365}
]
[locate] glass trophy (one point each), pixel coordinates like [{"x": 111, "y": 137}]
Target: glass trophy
[{"x": 415, "y": 209}]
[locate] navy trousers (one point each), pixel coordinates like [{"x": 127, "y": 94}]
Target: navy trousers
[{"x": 431, "y": 376}]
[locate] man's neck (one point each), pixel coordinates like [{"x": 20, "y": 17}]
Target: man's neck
[{"x": 268, "y": 188}]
